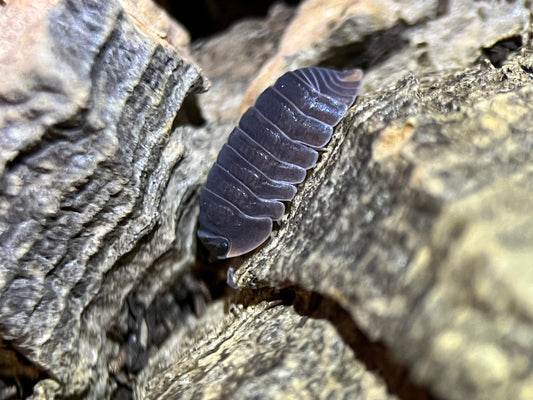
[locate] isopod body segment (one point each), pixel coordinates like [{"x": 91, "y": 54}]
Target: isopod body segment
[{"x": 268, "y": 153}]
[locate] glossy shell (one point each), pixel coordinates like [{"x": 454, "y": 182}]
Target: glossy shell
[{"x": 267, "y": 154}]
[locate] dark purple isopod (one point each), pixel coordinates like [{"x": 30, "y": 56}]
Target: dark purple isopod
[{"x": 267, "y": 154}]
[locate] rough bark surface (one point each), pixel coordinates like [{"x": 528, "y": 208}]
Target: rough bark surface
[
  {"x": 248, "y": 349},
  {"x": 418, "y": 223},
  {"x": 415, "y": 226},
  {"x": 88, "y": 196},
  {"x": 231, "y": 61},
  {"x": 403, "y": 269}
]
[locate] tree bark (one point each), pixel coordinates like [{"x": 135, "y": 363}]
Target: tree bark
[
  {"x": 401, "y": 271},
  {"x": 89, "y": 192}
]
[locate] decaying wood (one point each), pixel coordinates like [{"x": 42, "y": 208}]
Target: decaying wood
[
  {"x": 419, "y": 224},
  {"x": 89, "y": 191},
  {"x": 415, "y": 225},
  {"x": 402, "y": 270}
]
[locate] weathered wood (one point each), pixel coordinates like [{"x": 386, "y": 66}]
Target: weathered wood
[
  {"x": 419, "y": 223},
  {"x": 415, "y": 227},
  {"x": 413, "y": 231},
  {"x": 248, "y": 349},
  {"x": 89, "y": 196}
]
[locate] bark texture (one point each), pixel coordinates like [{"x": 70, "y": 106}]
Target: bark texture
[
  {"x": 418, "y": 223},
  {"x": 403, "y": 269},
  {"x": 415, "y": 225},
  {"x": 260, "y": 346},
  {"x": 90, "y": 186}
]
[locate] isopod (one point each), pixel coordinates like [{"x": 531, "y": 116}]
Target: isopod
[{"x": 268, "y": 153}]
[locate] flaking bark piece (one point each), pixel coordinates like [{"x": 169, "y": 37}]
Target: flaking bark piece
[
  {"x": 418, "y": 222},
  {"x": 87, "y": 104},
  {"x": 260, "y": 351}
]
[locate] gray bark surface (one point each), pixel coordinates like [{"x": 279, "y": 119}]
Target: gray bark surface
[
  {"x": 248, "y": 350},
  {"x": 418, "y": 223},
  {"x": 402, "y": 270},
  {"x": 414, "y": 227},
  {"x": 87, "y": 191}
]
